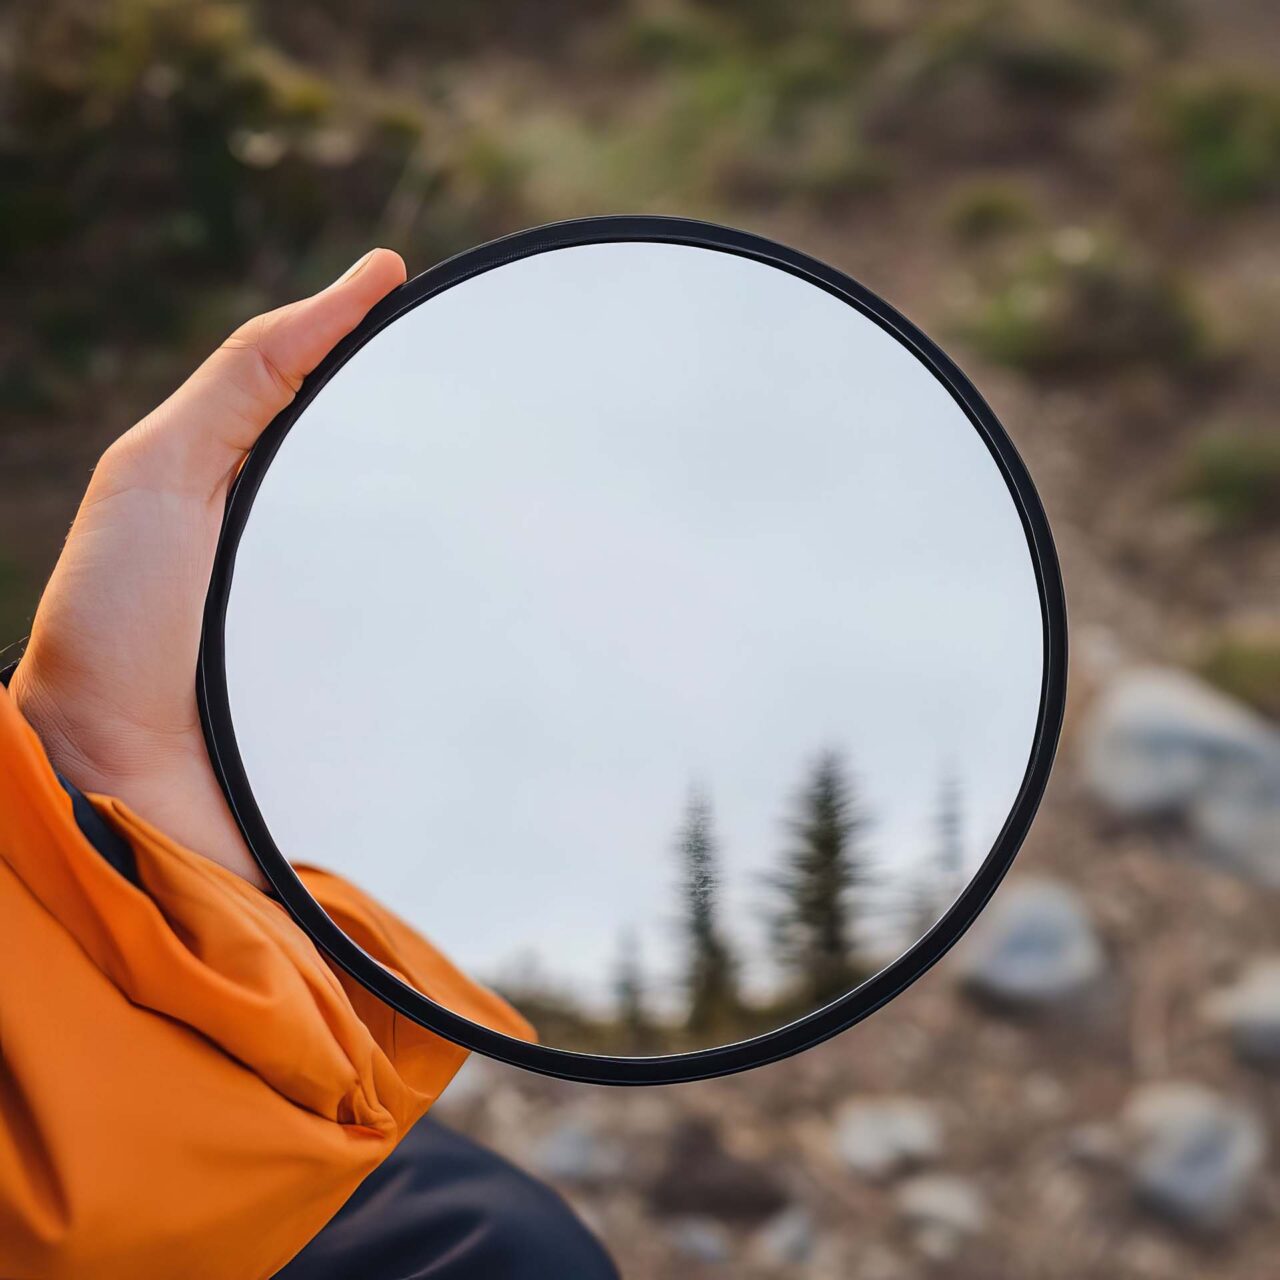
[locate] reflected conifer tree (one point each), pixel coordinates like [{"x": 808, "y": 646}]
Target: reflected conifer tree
[
  {"x": 711, "y": 974},
  {"x": 943, "y": 875},
  {"x": 634, "y": 1023},
  {"x": 814, "y": 924}
]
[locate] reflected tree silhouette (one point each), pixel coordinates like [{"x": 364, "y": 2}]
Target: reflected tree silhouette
[
  {"x": 635, "y": 1027},
  {"x": 826, "y": 912},
  {"x": 711, "y": 973},
  {"x": 814, "y": 924},
  {"x": 942, "y": 877},
  {"x": 949, "y": 850}
]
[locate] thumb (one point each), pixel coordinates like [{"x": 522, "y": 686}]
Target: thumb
[{"x": 199, "y": 435}]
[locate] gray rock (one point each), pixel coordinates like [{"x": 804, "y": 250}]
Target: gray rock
[
  {"x": 1161, "y": 743},
  {"x": 1035, "y": 946},
  {"x": 1250, "y": 1010},
  {"x": 879, "y": 1137},
  {"x": 573, "y": 1152},
  {"x": 699, "y": 1240},
  {"x": 942, "y": 1211},
  {"x": 788, "y": 1239},
  {"x": 1196, "y": 1156}
]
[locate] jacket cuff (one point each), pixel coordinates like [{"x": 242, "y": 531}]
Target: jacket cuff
[{"x": 113, "y": 847}]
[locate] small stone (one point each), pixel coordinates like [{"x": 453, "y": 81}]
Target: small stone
[
  {"x": 789, "y": 1238},
  {"x": 1094, "y": 1144},
  {"x": 880, "y": 1137},
  {"x": 1161, "y": 743},
  {"x": 874, "y": 1261},
  {"x": 942, "y": 1211},
  {"x": 1035, "y": 946},
  {"x": 574, "y": 1153},
  {"x": 1044, "y": 1094},
  {"x": 938, "y": 1244},
  {"x": 1196, "y": 1155},
  {"x": 1250, "y": 1011},
  {"x": 699, "y": 1240},
  {"x": 699, "y": 1178}
]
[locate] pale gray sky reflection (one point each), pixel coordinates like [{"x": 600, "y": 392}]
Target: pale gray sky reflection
[{"x": 593, "y": 527}]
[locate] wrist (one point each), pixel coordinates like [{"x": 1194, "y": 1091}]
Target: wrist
[
  {"x": 185, "y": 803},
  {"x": 41, "y": 713},
  {"x": 169, "y": 784}
]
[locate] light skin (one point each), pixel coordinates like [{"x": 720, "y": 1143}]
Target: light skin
[{"x": 108, "y": 677}]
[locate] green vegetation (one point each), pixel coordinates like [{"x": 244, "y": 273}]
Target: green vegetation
[
  {"x": 753, "y": 105},
  {"x": 1054, "y": 52},
  {"x": 1082, "y": 303},
  {"x": 1247, "y": 666},
  {"x": 1224, "y": 130},
  {"x": 151, "y": 142},
  {"x": 1234, "y": 476},
  {"x": 983, "y": 210},
  {"x": 225, "y": 146}
]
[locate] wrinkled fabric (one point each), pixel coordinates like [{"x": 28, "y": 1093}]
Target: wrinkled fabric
[{"x": 187, "y": 1089}]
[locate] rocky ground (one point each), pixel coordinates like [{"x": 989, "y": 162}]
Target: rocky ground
[{"x": 1087, "y": 1086}]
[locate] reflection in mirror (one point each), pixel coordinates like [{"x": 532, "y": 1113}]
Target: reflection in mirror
[{"x": 649, "y": 628}]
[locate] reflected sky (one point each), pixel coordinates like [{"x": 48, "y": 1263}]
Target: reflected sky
[{"x": 598, "y": 526}]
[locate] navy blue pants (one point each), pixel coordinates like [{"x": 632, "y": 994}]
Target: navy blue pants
[{"x": 442, "y": 1208}]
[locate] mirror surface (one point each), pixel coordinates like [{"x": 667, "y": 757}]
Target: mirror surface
[{"x": 650, "y": 629}]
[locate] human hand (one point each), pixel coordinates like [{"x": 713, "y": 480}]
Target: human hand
[{"x": 108, "y": 677}]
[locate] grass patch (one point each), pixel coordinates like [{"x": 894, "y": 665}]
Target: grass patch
[
  {"x": 1082, "y": 303},
  {"x": 1234, "y": 476},
  {"x": 751, "y": 106},
  {"x": 1224, "y": 131},
  {"x": 1030, "y": 53},
  {"x": 985, "y": 210}
]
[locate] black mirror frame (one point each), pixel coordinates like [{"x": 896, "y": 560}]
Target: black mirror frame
[{"x": 215, "y": 711}]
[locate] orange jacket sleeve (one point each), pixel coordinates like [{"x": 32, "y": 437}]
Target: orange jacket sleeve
[{"x": 187, "y": 1089}]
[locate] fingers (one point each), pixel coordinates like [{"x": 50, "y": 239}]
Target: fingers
[{"x": 199, "y": 435}]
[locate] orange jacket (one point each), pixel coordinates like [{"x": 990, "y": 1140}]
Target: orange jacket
[{"x": 187, "y": 1088}]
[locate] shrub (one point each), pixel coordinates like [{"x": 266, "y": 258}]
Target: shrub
[
  {"x": 1026, "y": 51},
  {"x": 150, "y": 142},
  {"x": 1081, "y": 303},
  {"x": 1234, "y": 477},
  {"x": 1225, "y": 133},
  {"x": 983, "y": 210}
]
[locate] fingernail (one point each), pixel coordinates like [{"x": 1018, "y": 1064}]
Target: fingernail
[{"x": 356, "y": 266}]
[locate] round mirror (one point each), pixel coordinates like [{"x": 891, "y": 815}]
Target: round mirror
[{"x": 656, "y": 621}]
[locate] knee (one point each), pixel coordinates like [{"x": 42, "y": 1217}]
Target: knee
[
  {"x": 522, "y": 1229},
  {"x": 442, "y": 1208}
]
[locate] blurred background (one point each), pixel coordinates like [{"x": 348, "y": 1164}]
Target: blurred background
[{"x": 1079, "y": 199}]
